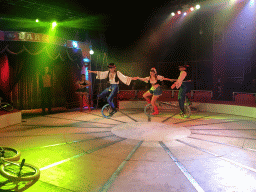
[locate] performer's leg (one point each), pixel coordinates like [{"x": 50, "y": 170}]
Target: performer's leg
[
  {"x": 104, "y": 93},
  {"x": 189, "y": 86},
  {"x": 147, "y": 96},
  {"x": 113, "y": 93},
  {"x": 153, "y": 103},
  {"x": 181, "y": 97}
]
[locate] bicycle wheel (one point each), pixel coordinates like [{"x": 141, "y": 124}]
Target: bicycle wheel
[
  {"x": 9, "y": 154},
  {"x": 148, "y": 110},
  {"x": 187, "y": 111},
  {"x": 12, "y": 171},
  {"x": 106, "y": 110},
  {"x": 6, "y": 106}
]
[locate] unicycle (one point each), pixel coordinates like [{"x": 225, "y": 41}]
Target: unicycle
[
  {"x": 148, "y": 110},
  {"x": 106, "y": 111},
  {"x": 16, "y": 171}
]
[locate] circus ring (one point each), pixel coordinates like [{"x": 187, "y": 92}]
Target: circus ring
[{"x": 82, "y": 151}]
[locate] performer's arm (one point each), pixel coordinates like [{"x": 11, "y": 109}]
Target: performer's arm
[
  {"x": 178, "y": 83},
  {"x": 146, "y": 79},
  {"x": 100, "y": 74},
  {"x": 88, "y": 83},
  {"x": 95, "y": 72},
  {"x": 167, "y": 79},
  {"x": 125, "y": 79}
]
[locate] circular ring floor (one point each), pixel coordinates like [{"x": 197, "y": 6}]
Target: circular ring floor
[{"x": 82, "y": 151}]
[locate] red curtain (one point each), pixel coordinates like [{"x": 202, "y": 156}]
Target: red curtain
[{"x": 4, "y": 77}]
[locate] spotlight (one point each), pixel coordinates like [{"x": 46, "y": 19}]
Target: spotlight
[
  {"x": 86, "y": 60},
  {"x": 179, "y": 12},
  {"x": 54, "y": 24},
  {"x": 91, "y": 52},
  {"x": 37, "y": 20},
  {"x": 173, "y": 14},
  {"x": 192, "y": 9},
  {"x": 197, "y": 6},
  {"x": 185, "y": 14},
  {"x": 75, "y": 45}
]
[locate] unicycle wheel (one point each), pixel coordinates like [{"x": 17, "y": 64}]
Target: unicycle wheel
[
  {"x": 9, "y": 154},
  {"x": 187, "y": 111},
  {"x": 6, "y": 106},
  {"x": 12, "y": 171},
  {"x": 106, "y": 111},
  {"x": 148, "y": 110}
]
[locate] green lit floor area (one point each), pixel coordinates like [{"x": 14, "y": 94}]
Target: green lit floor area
[{"x": 82, "y": 151}]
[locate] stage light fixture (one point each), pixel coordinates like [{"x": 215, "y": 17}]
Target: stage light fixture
[
  {"x": 192, "y": 9},
  {"x": 54, "y": 24},
  {"x": 185, "y": 13},
  {"x": 75, "y": 44},
  {"x": 197, "y": 6},
  {"x": 86, "y": 60},
  {"x": 91, "y": 52},
  {"x": 173, "y": 14},
  {"x": 179, "y": 12}
]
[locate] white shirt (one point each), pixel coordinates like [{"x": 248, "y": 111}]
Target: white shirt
[{"x": 104, "y": 74}]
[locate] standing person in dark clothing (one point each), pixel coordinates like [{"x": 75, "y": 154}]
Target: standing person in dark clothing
[
  {"x": 184, "y": 83},
  {"x": 83, "y": 91},
  {"x": 46, "y": 90}
]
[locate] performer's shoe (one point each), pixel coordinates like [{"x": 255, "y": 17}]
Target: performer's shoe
[
  {"x": 188, "y": 103},
  {"x": 113, "y": 112},
  {"x": 156, "y": 112},
  {"x": 182, "y": 114}
]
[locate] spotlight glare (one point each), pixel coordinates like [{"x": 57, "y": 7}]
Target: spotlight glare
[
  {"x": 91, "y": 52},
  {"x": 37, "y": 20},
  {"x": 75, "y": 44},
  {"x": 173, "y": 14},
  {"x": 86, "y": 60},
  {"x": 197, "y": 6},
  {"x": 185, "y": 14},
  {"x": 54, "y": 24},
  {"x": 192, "y": 9},
  {"x": 179, "y": 12}
]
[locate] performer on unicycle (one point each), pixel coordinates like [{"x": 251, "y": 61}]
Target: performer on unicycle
[
  {"x": 184, "y": 83},
  {"x": 155, "y": 91},
  {"x": 113, "y": 76}
]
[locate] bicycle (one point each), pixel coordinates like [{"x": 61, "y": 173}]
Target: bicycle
[
  {"x": 16, "y": 172},
  {"x": 5, "y": 106},
  {"x": 148, "y": 110}
]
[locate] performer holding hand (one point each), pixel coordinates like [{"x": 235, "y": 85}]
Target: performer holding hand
[
  {"x": 155, "y": 90},
  {"x": 113, "y": 76},
  {"x": 185, "y": 85}
]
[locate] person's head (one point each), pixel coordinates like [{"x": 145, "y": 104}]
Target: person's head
[
  {"x": 83, "y": 76},
  {"x": 153, "y": 72},
  {"x": 183, "y": 67},
  {"x": 112, "y": 67}
]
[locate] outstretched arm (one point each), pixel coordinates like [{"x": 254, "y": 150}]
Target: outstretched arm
[
  {"x": 142, "y": 79},
  {"x": 167, "y": 79},
  {"x": 89, "y": 71},
  {"x": 100, "y": 74}
]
